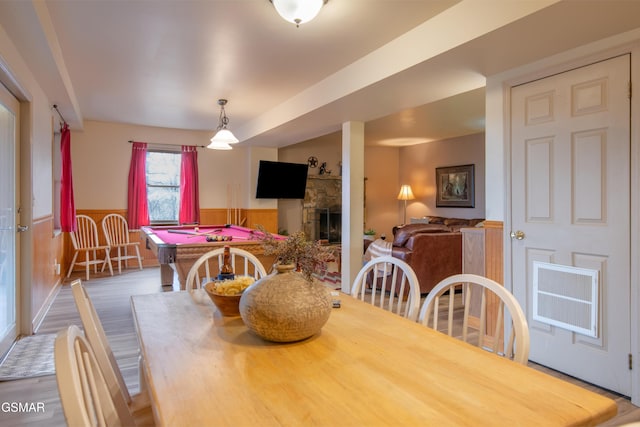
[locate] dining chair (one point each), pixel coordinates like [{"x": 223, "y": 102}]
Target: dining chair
[
  {"x": 85, "y": 240},
  {"x": 389, "y": 283},
  {"x": 116, "y": 232},
  {"x": 84, "y": 392},
  {"x": 207, "y": 267},
  {"x": 493, "y": 297},
  {"x": 94, "y": 333}
]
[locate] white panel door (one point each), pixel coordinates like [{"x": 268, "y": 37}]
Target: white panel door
[
  {"x": 570, "y": 171},
  {"x": 8, "y": 219}
]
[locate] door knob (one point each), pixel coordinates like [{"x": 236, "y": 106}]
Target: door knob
[
  {"x": 21, "y": 228},
  {"x": 518, "y": 235}
]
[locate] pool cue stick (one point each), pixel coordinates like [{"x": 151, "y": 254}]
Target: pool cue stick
[
  {"x": 194, "y": 233},
  {"x": 228, "y": 203},
  {"x": 237, "y": 209},
  {"x": 234, "y": 204}
]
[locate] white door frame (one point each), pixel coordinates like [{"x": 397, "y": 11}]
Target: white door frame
[
  {"x": 553, "y": 65},
  {"x": 25, "y": 190}
]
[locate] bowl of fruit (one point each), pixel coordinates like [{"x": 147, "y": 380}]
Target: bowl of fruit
[{"x": 226, "y": 294}]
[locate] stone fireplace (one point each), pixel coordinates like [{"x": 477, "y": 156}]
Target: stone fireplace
[{"x": 322, "y": 208}]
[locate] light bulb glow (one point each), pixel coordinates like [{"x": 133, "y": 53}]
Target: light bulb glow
[
  {"x": 218, "y": 145},
  {"x": 406, "y": 193},
  {"x": 298, "y": 11}
]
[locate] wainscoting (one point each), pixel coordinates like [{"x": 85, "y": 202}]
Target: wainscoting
[{"x": 268, "y": 218}]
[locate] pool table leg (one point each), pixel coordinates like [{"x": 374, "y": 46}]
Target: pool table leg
[{"x": 166, "y": 275}]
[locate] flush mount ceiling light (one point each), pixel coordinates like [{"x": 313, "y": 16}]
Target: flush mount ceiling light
[
  {"x": 223, "y": 136},
  {"x": 298, "y": 11}
]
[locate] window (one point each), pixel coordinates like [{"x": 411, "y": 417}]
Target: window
[{"x": 163, "y": 186}]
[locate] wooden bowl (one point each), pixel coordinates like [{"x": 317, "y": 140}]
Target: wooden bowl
[{"x": 228, "y": 305}]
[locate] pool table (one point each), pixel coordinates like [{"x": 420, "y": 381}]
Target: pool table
[{"x": 180, "y": 246}]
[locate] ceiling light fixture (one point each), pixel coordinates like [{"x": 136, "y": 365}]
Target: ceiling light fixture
[
  {"x": 223, "y": 136},
  {"x": 298, "y": 11}
]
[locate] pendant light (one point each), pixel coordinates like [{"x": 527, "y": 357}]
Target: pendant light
[
  {"x": 298, "y": 11},
  {"x": 223, "y": 136}
]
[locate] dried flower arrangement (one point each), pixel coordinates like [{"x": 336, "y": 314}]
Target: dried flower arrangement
[{"x": 308, "y": 256}]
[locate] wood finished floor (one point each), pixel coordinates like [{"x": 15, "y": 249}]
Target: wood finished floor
[{"x": 111, "y": 296}]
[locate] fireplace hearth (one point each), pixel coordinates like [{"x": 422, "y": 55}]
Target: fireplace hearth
[{"x": 329, "y": 227}]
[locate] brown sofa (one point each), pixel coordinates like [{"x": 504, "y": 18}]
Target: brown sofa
[{"x": 432, "y": 249}]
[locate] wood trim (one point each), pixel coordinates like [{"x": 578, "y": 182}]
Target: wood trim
[
  {"x": 494, "y": 264},
  {"x": 265, "y": 217},
  {"x": 493, "y": 224},
  {"x": 494, "y": 252},
  {"x": 493, "y": 269},
  {"x": 46, "y": 251}
]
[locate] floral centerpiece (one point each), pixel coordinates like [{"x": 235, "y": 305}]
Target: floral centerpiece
[
  {"x": 307, "y": 256},
  {"x": 289, "y": 304}
]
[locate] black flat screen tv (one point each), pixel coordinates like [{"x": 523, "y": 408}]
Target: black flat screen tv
[{"x": 281, "y": 180}]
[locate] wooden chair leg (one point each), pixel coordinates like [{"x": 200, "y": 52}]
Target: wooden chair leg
[
  {"x": 139, "y": 258},
  {"x": 107, "y": 260},
  {"x": 95, "y": 266},
  {"x": 73, "y": 263},
  {"x": 86, "y": 267}
]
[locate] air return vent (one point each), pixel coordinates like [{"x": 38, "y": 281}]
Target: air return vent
[{"x": 566, "y": 297}]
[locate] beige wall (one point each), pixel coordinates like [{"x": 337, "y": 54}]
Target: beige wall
[
  {"x": 101, "y": 157},
  {"x": 327, "y": 149},
  {"x": 381, "y": 170},
  {"x": 418, "y": 165}
]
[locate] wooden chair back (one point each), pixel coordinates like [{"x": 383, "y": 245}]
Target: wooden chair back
[
  {"x": 207, "y": 267},
  {"x": 84, "y": 393},
  {"x": 94, "y": 333},
  {"x": 390, "y": 284},
  {"x": 86, "y": 234},
  {"x": 85, "y": 239},
  {"x": 492, "y": 294},
  {"x": 116, "y": 233},
  {"x": 116, "y": 230}
]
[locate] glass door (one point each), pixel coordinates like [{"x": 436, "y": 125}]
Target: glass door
[{"x": 8, "y": 219}]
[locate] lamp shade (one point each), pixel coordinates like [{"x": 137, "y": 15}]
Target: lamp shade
[
  {"x": 218, "y": 145},
  {"x": 224, "y": 135},
  {"x": 406, "y": 193},
  {"x": 298, "y": 11}
]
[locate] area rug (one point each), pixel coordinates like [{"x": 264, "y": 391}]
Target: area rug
[
  {"x": 30, "y": 356},
  {"x": 330, "y": 278}
]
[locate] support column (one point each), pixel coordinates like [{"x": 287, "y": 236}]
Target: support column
[{"x": 352, "y": 201}]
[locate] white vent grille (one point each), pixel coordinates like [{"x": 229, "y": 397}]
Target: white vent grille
[{"x": 566, "y": 297}]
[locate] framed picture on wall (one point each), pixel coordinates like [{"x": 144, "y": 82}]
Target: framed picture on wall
[{"x": 455, "y": 186}]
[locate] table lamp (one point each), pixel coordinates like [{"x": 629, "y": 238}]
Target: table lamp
[{"x": 405, "y": 194}]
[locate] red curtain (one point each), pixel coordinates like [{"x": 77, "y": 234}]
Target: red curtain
[
  {"x": 189, "y": 201},
  {"x": 67, "y": 205},
  {"x": 138, "y": 209}
]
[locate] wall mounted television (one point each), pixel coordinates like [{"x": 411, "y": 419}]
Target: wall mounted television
[{"x": 281, "y": 180}]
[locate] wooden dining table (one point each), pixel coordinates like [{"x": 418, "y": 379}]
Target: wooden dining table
[{"x": 366, "y": 367}]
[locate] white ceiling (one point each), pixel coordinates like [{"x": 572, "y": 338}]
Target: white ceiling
[{"x": 413, "y": 70}]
